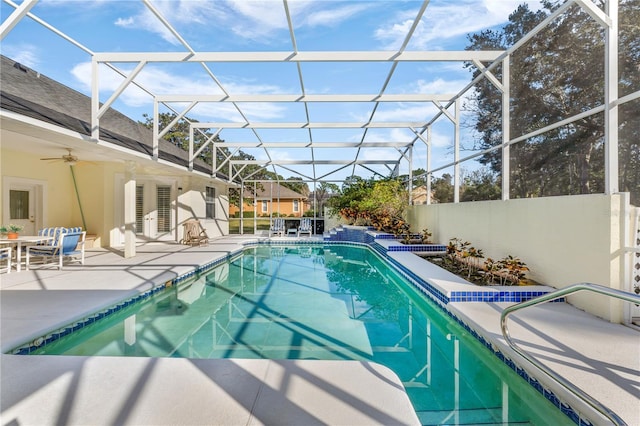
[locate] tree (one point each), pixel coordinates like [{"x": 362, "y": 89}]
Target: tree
[
  {"x": 323, "y": 192},
  {"x": 442, "y": 188},
  {"x": 480, "y": 185},
  {"x": 296, "y": 184},
  {"x": 555, "y": 75}
]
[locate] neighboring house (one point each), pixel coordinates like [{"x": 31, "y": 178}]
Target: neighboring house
[
  {"x": 272, "y": 198},
  {"x": 121, "y": 193},
  {"x": 419, "y": 195}
]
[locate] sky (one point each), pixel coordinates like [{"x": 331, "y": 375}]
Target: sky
[{"x": 250, "y": 26}]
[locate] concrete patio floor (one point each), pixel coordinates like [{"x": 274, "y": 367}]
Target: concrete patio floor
[{"x": 603, "y": 359}]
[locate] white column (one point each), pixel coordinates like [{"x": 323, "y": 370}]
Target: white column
[
  {"x": 95, "y": 100},
  {"x": 130, "y": 209},
  {"x": 506, "y": 127},
  {"x": 428, "y": 176},
  {"x": 611, "y": 185},
  {"x": 456, "y": 154}
]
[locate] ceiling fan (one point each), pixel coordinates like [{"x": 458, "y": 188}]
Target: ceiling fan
[{"x": 69, "y": 158}]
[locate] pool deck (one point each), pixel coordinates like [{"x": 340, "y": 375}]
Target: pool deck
[{"x": 603, "y": 359}]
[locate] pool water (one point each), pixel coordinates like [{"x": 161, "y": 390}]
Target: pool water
[{"x": 322, "y": 302}]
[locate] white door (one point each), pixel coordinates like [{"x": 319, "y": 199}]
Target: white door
[
  {"x": 153, "y": 211},
  {"x": 22, "y": 207}
]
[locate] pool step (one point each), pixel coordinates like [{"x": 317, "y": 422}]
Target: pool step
[{"x": 472, "y": 416}]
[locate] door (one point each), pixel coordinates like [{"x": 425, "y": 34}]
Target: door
[
  {"x": 154, "y": 213},
  {"x": 22, "y": 207}
]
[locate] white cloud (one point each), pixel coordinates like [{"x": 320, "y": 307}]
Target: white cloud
[
  {"x": 251, "y": 20},
  {"x": 147, "y": 21},
  {"x": 332, "y": 17},
  {"x": 26, "y": 54},
  {"x": 447, "y": 20}
]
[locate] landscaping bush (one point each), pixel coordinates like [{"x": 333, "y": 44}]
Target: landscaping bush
[{"x": 464, "y": 260}]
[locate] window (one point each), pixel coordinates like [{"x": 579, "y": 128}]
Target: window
[
  {"x": 265, "y": 207},
  {"x": 18, "y": 204},
  {"x": 210, "y": 200},
  {"x": 296, "y": 206}
]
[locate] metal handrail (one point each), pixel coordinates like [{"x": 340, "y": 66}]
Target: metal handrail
[{"x": 629, "y": 297}]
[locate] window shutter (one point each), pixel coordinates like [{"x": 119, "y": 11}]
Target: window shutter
[{"x": 164, "y": 208}]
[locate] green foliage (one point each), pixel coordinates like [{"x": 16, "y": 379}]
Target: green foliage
[
  {"x": 480, "y": 185},
  {"x": 378, "y": 203},
  {"x": 323, "y": 193},
  {"x": 464, "y": 260},
  {"x": 477, "y": 185},
  {"x": 442, "y": 188},
  {"x": 425, "y": 236}
]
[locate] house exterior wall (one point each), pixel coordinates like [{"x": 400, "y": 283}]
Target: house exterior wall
[
  {"x": 191, "y": 203},
  {"x": 101, "y": 194},
  {"x": 563, "y": 240},
  {"x": 61, "y": 212}
]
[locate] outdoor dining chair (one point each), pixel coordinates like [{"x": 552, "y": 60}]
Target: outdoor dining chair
[
  {"x": 66, "y": 246},
  {"x": 5, "y": 257}
]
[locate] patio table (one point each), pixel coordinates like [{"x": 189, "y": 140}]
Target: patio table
[{"x": 26, "y": 240}]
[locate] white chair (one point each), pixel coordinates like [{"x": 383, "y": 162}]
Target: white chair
[
  {"x": 277, "y": 227},
  {"x": 67, "y": 246},
  {"x": 5, "y": 255},
  {"x": 305, "y": 227}
]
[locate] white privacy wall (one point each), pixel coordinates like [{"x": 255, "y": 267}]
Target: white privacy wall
[{"x": 563, "y": 240}]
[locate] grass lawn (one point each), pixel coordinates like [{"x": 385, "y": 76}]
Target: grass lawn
[{"x": 262, "y": 224}]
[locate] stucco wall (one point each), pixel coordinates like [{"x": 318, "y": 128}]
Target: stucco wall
[
  {"x": 192, "y": 204},
  {"x": 563, "y": 240},
  {"x": 58, "y": 183}
]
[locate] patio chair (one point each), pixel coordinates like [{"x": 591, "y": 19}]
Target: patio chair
[
  {"x": 277, "y": 227},
  {"x": 66, "y": 246},
  {"x": 305, "y": 226},
  {"x": 194, "y": 234},
  {"x": 5, "y": 256}
]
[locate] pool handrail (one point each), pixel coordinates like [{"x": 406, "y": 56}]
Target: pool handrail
[{"x": 619, "y": 294}]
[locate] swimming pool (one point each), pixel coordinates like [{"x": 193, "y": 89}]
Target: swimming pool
[{"x": 321, "y": 302}]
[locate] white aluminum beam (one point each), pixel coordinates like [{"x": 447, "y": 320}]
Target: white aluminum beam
[
  {"x": 597, "y": 14},
  {"x": 330, "y": 56},
  {"x": 406, "y": 97},
  {"x": 315, "y": 145},
  {"x": 121, "y": 89},
  {"x": 315, "y": 125},
  {"x": 15, "y": 17},
  {"x": 307, "y": 162}
]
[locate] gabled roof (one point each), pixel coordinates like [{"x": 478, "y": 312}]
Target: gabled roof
[
  {"x": 29, "y": 93},
  {"x": 274, "y": 191}
]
